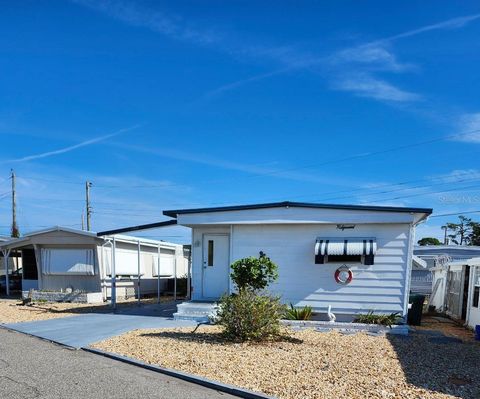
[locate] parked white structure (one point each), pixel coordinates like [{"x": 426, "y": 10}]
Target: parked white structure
[
  {"x": 473, "y": 297},
  {"x": 352, "y": 258},
  {"x": 446, "y": 283},
  {"x": 458, "y": 290},
  {"x": 76, "y": 265}
]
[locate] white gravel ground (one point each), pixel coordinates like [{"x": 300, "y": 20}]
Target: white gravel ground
[{"x": 315, "y": 365}]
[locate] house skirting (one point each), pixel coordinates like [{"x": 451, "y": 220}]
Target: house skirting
[{"x": 58, "y": 296}]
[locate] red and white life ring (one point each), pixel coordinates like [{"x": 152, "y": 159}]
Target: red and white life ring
[{"x": 343, "y": 275}]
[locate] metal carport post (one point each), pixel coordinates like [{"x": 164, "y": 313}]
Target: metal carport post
[
  {"x": 137, "y": 228},
  {"x": 113, "y": 284},
  {"x": 138, "y": 271},
  {"x": 6, "y": 255}
]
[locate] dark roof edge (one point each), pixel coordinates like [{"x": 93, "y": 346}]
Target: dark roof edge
[
  {"x": 175, "y": 212},
  {"x": 137, "y": 228}
]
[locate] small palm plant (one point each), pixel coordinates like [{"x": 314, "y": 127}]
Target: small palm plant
[
  {"x": 381, "y": 319},
  {"x": 293, "y": 313}
]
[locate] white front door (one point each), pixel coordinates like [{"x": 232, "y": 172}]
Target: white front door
[{"x": 216, "y": 248}]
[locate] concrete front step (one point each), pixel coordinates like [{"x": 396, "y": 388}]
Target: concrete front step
[
  {"x": 198, "y": 319},
  {"x": 197, "y": 311}
]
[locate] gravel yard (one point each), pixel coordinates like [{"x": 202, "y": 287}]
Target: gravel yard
[
  {"x": 12, "y": 311},
  {"x": 315, "y": 365}
]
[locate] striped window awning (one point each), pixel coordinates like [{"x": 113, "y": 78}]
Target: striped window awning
[{"x": 345, "y": 246}]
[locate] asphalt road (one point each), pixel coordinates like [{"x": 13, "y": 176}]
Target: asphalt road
[{"x": 34, "y": 368}]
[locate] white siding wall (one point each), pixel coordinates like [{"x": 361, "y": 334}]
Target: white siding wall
[
  {"x": 379, "y": 287},
  {"x": 473, "y": 312},
  {"x": 127, "y": 287}
]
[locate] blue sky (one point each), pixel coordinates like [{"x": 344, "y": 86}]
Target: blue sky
[{"x": 183, "y": 104}]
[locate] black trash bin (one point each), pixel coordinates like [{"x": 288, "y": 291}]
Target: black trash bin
[{"x": 415, "y": 312}]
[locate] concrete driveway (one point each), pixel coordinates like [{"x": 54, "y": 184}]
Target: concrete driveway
[{"x": 83, "y": 330}]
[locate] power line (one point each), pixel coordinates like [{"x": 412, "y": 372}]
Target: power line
[
  {"x": 453, "y": 214},
  {"x": 403, "y": 183},
  {"x": 407, "y": 188},
  {"x": 362, "y": 155},
  {"x": 280, "y": 171},
  {"x": 429, "y": 193}
]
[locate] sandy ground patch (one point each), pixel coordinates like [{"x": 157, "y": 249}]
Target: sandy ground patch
[
  {"x": 446, "y": 326},
  {"x": 313, "y": 364},
  {"x": 11, "y": 310}
]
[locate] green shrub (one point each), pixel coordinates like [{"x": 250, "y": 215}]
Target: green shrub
[
  {"x": 293, "y": 313},
  {"x": 247, "y": 316},
  {"x": 253, "y": 273},
  {"x": 382, "y": 319}
]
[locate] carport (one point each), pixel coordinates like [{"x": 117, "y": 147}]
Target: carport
[
  {"x": 18, "y": 249},
  {"x": 95, "y": 266}
]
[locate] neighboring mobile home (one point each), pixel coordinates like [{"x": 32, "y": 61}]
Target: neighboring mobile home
[
  {"x": 437, "y": 259},
  {"x": 68, "y": 264},
  {"x": 353, "y": 258},
  {"x": 459, "y": 289}
]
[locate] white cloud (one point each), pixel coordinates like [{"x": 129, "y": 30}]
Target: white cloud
[
  {"x": 238, "y": 83},
  {"x": 364, "y": 85},
  {"x": 469, "y": 125},
  {"x": 349, "y": 65},
  {"x": 453, "y": 23},
  {"x": 177, "y": 28},
  {"x": 69, "y": 148},
  {"x": 206, "y": 159},
  {"x": 136, "y": 15},
  {"x": 375, "y": 57}
]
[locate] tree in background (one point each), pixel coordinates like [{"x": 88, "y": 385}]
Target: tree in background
[
  {"x": 465, "y": 232},
  {"x": 429, "y": 241},
  {"x": 475, "y": 236}
]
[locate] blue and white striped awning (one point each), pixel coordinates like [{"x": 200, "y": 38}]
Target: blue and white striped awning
[{"x": 345, "y": 246}]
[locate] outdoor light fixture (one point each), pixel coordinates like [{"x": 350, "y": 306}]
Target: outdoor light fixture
[{"x": 345, "y": 226}]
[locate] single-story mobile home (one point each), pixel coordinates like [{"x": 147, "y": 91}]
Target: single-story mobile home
[
  {"x": 350, "y": 257},
  {"x": 68, "y": 264}
]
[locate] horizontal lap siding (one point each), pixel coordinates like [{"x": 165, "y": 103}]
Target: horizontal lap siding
[{"x": 378, "y": 287}]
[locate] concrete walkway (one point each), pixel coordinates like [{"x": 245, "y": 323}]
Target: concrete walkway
[
  {"x": 31, "y": 368},
  {"x": 83, "y": 330}
]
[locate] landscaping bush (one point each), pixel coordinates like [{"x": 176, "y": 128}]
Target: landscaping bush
[
  {"x": 293, "y": 313},
  {"x": 247, "y": 316},
  {"x": 382, "y": 319},
  {"x": 253, "y": 273}
]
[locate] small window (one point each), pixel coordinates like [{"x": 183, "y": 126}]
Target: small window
[
  {"x": 344, "y": 258},
  {"x": 476, "y": 295},
  {"x": 210, "y": 253},
  {"x": 476, "y": 288}
]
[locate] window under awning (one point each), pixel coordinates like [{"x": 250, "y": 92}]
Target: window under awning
[{"x": 363, "y": 246}]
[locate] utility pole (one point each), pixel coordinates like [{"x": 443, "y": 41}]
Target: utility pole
[
  {"x": 445, "y": 242},
  {"x": 88, "y": 207},
  {"x": 15, "y": 231}
]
